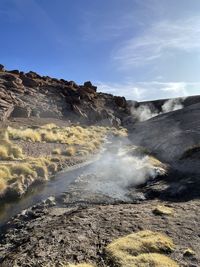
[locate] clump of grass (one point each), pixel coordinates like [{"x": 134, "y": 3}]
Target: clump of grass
[
  {"x": 50, "y": 137},
  {"x": 144, "y": 248},
  {"x": 57, "y": 151},
  {"x": 22, "y": 169},
  {"x": 3, "y": 186},
  {"x": 163, "y": 210},
  {"x": 4, "y": 134},
  {"x": 49, "y": 126},
  {"x": 5, "y": 172},
  {"x": 9, "y": 151},
  {"x": 70, "y": 151},
  {"x": 3, "y": 153},
  {"x": 161, "y": 167},
  {"x": 24, "y": 134}
]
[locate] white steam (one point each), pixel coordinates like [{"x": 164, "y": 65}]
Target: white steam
[
  {"x": 117, "y": 171},
  {"x": 146, "y": 112},
  {"x": 172, "y": 105}
]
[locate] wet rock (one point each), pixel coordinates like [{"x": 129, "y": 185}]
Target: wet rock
[{"x": 51, "y": 201}]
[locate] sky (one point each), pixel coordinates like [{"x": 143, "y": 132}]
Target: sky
[{"x": 140, "y": 49}]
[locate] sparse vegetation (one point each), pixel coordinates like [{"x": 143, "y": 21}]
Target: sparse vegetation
[
  {"x": 70, "y": 151},
  {"x": 57, "y": 151},
  {"x": 16, "y": 169},
  {"x": 145, "y": 248}
]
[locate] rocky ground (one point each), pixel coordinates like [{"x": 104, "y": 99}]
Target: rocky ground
[{"x": 49, "y": 236}]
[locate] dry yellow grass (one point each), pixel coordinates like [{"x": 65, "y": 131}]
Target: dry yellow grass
[
  {"x": 49, "y": 126},
  {"x": 80, "y": 141},
  {"x": 16, "y": 174},
  {"x": 3, "y": 153},
  {"x": 9, "y": 151},
  {"x": 25, "y": 169},
  {"x": 5, "y": 172},
  {"x": 3, "y": 186},
  {"x": 163, "y": 210},
  {"x": 57, "y": 151},
  {"x": 70, "y": 151},
  {"x": 24, "y": 134},
  {"x": 79, "y": 265},
  {"x": 144, "y": 248}
]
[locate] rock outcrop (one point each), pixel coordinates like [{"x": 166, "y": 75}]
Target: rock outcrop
[{"x": 29, "y": 94}]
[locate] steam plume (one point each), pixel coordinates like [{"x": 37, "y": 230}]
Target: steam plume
[{"x": 146, "y": 112}]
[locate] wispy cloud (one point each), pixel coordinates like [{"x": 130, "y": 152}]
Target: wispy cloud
[
  {"x": 150, "y": 90},
  {"x": 159, "y": 40}
]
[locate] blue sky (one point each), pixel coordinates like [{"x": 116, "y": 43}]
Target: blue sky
[{"x": 142, "y": 49}]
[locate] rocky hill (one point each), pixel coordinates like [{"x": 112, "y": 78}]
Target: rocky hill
[{"x": 31, "y": 95}]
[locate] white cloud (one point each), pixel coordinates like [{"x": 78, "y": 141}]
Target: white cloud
[
  {"x": 161, "y": 39},
  {"x": 141, "y": 91}
]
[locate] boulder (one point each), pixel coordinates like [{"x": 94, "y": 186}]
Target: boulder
[
  {"x": 33, "y": 75},
  {"x": 120, "y": 101},
  {"x": 28, "y": 81},
  {"x": 88, "y": 84},
  {"x": 15, "y": 72},
  {"x": 2, "y": 67},
  {"x": 20, "y": 112}
]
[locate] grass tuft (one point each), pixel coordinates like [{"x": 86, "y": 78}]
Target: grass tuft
[{"x": 144, "y": 248}]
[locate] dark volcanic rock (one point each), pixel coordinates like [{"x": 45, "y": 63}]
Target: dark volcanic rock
[
  {"x": 50, "y": 97},
  {"x": 169, "y": 135},
  {"x": 20, "y": 112},
  {"x": 2, "y": 67}
]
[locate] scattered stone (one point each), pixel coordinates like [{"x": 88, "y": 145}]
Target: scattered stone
[
  {"x": 163, "y": 210},
  {"x": 188, "y": 252}
]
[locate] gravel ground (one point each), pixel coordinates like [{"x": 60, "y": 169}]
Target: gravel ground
[{"x": 47, "y": 236}]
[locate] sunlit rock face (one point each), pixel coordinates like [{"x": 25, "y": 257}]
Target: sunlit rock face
[{"x": 29, "y": 94}]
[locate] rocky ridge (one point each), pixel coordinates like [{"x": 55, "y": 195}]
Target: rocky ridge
[{"x": 31, "y": 95}]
